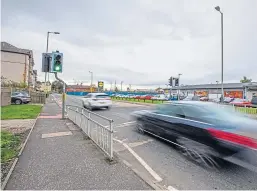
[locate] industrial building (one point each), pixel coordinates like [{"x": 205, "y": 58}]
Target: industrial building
[{"x": 237, "y": 90}]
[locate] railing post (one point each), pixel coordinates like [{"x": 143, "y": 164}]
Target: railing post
[
  {"x": 76, "y": 116},
  {"x": 88, "y": 123},
  {"x": 111, "y": 140},
  {"x": 245, "y": 109}
]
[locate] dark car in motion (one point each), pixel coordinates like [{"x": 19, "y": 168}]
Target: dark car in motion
[
  {"x": 205, "y": 132},
  {"x": 20, "y": 98}
]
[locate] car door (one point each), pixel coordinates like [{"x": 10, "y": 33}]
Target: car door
[
  {"x": 86, "y": 99},
  {"x": 195, "y": 124},
  {"x": 172, "y": 122},
  {"x": 165, "y": 120}
]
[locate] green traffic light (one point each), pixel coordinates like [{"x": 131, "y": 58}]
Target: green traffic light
[{"x": 57, "y": 68}]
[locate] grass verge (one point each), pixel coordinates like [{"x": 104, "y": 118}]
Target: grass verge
[
  {"x": 20, "y": 111},
  {"x": 139, "y": 100},
  {"x": 9, "y": 146}
]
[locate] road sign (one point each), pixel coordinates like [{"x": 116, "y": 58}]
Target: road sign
[
  {"x": 46, "y": 60},
  {"x": 100, "y": 85}
]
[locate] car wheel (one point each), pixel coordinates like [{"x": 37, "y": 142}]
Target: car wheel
[
  {"x": 90, "y": 107},
  {"x": 140, "y": 127},
  {"x": 18, "y": 102},
  {"x": 198, "y": 153}
]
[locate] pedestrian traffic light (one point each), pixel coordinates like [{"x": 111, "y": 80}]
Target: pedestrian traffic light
[
  {"x": 57, "y": 62},
  {"x": 176, "y": 81},
  {"x": 171, "y": 81}
]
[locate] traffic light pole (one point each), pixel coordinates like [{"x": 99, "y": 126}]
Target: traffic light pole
[{"x": 63, "y": 95}]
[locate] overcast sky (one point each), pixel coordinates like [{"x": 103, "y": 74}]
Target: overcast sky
[{"x": 140, "y": 42}]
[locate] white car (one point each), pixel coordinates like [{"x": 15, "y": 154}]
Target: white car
[{"x": 97, "y": 101}]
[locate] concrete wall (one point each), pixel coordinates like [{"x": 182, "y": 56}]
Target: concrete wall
[
  {"x": 15, "y": 66},
  {"x": 5, "y": 96}
]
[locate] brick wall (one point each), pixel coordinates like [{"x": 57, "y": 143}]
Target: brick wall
[{"x": 5, "y": 96}]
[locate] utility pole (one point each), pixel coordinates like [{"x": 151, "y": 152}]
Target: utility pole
[
  {"x": 222, "y": 89},
  {"x": 217, "y": 88},
  {"x": 179, "y": 86},
  {"x": 115, "y": 86},
  {"x": 63, "y": 95},
  {"x": 47, "y": 42},
  {"x": 91, "y": 86}
]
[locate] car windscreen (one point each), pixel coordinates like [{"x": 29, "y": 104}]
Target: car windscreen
[
  {"x": 102, "y": 96},
  {"x": 210, "y": 113}
]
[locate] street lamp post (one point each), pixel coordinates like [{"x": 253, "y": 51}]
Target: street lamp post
[
  {"x": 179, "y": 86},
  {"x": 47, "y": 42},
  {"x": 217, "y": 88},
  {"x": 91, "y": 81},
  {"x": 222, "y": 89},
  {"x": 121, "y": 85}
]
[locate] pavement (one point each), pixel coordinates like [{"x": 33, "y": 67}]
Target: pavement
[
  {"x": 160, "y": 160},
  {"x": 66, "y": 160}
]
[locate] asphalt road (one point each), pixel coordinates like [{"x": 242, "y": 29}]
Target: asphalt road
[{"x": 165, "y": 161}]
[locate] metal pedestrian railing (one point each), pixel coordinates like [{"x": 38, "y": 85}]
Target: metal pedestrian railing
[{"x": 98, "y": 128}]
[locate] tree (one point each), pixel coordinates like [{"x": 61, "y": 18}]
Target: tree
[
  {"x": 57, "y": 86},
  {"x": 245, "y": 80}
]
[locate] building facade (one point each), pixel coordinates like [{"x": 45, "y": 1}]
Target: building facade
[
  {"x": 237, "y": 90},
  {"x": 17, "y": 64}
]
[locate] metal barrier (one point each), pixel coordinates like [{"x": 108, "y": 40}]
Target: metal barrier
[{"x": 101, "y": 134}]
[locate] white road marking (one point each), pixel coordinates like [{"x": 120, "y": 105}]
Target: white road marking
[
  {"x": 170, "y": 188},
  {"x": 136, "y": 144},
  {"x": 141, "y": 161},
  {"x": 125, "y": 124},
  {"x": 58, "y": 134}
]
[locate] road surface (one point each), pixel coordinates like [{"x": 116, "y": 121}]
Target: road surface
[{"x": 167, "y": 166}]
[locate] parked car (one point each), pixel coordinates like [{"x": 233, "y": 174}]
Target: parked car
[
  {"x": 215, "y": 100},
  {"x": 148, "y": 97},
  {"x": 20, "y": 98},
  {"x": 96, "y": 101},
  {"x": 204, "y": 99},
  {"x": 254, "y": 100},
  {"x": 203, "y": 132},
  {"x": 228, "y": 99},
  {"x": 240, "y": 102}
]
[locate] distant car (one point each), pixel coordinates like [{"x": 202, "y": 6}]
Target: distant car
[
  {"x": 20, "y": 98},
  {"x": 228, "y": 99},
  {"x": 96, "y": 101},
  {"x": 240, "y": 102},
  {"x": 204, "y": 99},
  {"x": 216, "y": 100},
  {"x": 148, "y": 97},
  {"x": 254, "y": 100},
  {"x": 203, "y": 132}
]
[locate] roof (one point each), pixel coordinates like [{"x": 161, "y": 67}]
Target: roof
[
  {"x": 78, "y": 86},
  {"x": 216, "y": 86},
  {"x": 10, "y": 48},
  {"x": 7, "y": 47}
]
